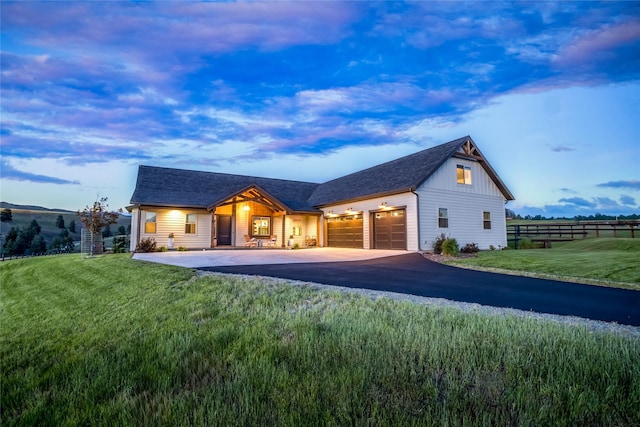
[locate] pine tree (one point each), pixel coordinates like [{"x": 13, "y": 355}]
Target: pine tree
[
  {"x": 6, "y": 215},
  {"x": 60, "y": 221}
]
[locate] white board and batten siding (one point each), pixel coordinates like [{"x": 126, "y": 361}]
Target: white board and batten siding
[
  {"x": 406, "y": 201},
  {"x": 173, "y": 221},
  {"x": 465, "y": 206}
]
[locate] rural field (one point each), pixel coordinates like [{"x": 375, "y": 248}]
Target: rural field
[
  {"x": 113, "y": 341},
  {"x": 604, "y": 261}
]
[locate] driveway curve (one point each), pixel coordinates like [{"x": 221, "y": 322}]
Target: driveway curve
[{"x": 411, "y": 273}]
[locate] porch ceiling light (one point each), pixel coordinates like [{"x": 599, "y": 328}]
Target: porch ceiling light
[
  {"x": 246, "y": 208},
  {"x": 382, "y": 205}
]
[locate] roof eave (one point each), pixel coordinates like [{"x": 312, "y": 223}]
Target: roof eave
[{"x": 368, "y": 196}]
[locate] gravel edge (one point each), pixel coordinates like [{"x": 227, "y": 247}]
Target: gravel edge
[{"x": 595, "y": 326}]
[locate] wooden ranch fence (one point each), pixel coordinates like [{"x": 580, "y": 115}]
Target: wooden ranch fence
[{"x": 546, "y": 233}]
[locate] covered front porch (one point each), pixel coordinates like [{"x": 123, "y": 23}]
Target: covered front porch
[{"x": 252, "y": 218}]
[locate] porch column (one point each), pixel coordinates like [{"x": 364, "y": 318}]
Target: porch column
[{"x": 284, "y": 217}]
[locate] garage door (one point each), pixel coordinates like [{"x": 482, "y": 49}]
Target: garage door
[
  {"x": 390, "y": 229},
  {"x": 345, "y": 232}
]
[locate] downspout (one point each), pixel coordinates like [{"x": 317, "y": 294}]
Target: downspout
[{"x": 418, "y": 218}]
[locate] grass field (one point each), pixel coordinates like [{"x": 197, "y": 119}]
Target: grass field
[
  {"x": 113, "y": 341},
  {"x": 607, "y": 261}
]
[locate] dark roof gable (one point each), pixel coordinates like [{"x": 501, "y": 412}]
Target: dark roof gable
[
  {"x": 184, "y": 188},
  {"x": 400, "y": 175}
]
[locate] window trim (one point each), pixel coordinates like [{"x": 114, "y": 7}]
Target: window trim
[
  {"x": 443, "y": 220},
  {"x": 190, "y": 227},
  {"x": 253, "y": 228},
  {"x": 148, "y": 223},
  {"x": 466, "y": 177},
  {"x": 486, "y": 220}
]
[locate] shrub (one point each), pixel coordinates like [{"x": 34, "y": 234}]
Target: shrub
[
  {"x": 470, "y": 248},
  {"x": 526, "y": 244},
  {"x": 120, "y": 244},
  {"x": 450, "y": 247},
  {"x": 182, "y": 249},
  {"x": 437, "y": 243},
  {"x": 492, "y": 248},
  {"x": 163, "y": 249},
  {"x": 146, "y": 245}
]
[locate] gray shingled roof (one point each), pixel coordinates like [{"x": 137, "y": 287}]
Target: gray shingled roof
[
  {"x": 400, "y": 175},
  {"x": 185, "y": 188}
]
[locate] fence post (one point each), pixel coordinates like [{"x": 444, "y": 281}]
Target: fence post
[{"x": 632, "y": 233}]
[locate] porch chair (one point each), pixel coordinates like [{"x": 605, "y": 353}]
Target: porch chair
[
  {"x": 273, "y": 241},
  {"x": 250, "y": 242}
]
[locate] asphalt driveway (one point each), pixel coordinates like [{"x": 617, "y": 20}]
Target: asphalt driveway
[{"x": 411, "y": 273}]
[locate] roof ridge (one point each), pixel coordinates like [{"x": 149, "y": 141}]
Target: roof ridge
[{"x": 228, "y": 174}]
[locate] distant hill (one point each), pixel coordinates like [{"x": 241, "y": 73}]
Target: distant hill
[
  {"x": 22, "y": 215},
  {"x": 5, "y": 205}
]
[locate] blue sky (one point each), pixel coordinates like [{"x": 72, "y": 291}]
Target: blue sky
[{"x": 311, "y": 91}]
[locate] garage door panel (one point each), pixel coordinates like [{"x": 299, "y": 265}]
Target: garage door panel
[
  {"x": 345, "y": 232},
  {"x": 390, "y": 230}
]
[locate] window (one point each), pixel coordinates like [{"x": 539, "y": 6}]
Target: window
[
  {"x": 463, "y": 174},
  {"x": 261, "y": 226},
  {"x": 486, "y": 220},
  {"x": 150, "y": 222},
  {"x": 190, "y": 224},
  {"x": 443, "y": 218}
]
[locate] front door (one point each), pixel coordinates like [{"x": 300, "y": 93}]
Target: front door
[{"x": 224, "y": 230}]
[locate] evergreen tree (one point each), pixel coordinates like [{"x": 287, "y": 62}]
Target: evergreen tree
[
  {"x": 10, "y": 242},
  {"x": 106, "y": 231},
  {"x": 122, "y": 231},
  {"x": 38, "y": 245},
  {"x": 35, "y": 226},
  {"x": 60, "y": 221},
  {"x": 72, "y": 226},
  {"x": 6, "y": 215}
]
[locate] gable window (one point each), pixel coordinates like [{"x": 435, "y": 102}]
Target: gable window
[
  {"x": 463, "y": 174},
  {"x": 486, "y": 220},
  {"x": 261, "y": 226},
  {"x": 443, "y": 218},
  {"x": 150, "y": 222},
  {"x": 190, "y": 224}
]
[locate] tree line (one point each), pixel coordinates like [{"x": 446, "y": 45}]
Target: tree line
[
  {"x": 29, "y": 241},
  {"x": 595, "y": 217}
]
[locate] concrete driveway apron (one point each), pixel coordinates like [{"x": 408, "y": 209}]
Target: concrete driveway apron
[{"x": 254, "y": 256}]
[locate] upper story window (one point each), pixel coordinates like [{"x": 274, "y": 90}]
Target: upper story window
[
  {"x": 261, "y": 226},
  {"x": 463, "y": 174},
  {"x": 443, "y": 218},
  {"x": 150, "y": 222},
  {"x": 190, "y": 224}
]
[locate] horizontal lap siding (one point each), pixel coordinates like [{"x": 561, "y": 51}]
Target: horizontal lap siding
[
  {"x": 173, "y": 221},
  {"x": 465, "y": 205}
]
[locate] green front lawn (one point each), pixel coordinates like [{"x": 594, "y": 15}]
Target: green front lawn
[
  {"x": 113, "y": 341},
  {"x": 608, "y": 261}
]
